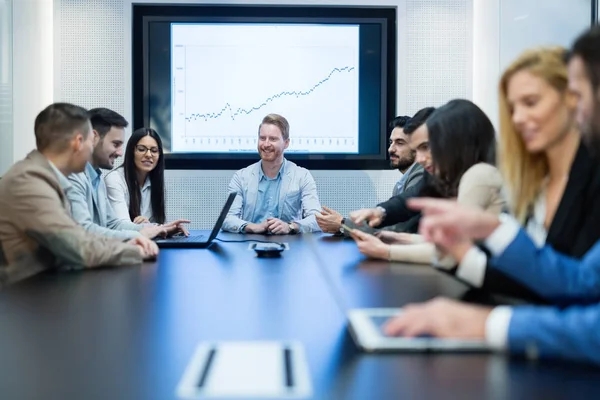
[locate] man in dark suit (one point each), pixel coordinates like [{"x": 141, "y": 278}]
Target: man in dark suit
[
  {"x": 402, "y": 158},
  {"x": 395, "y": 208},
  {"x": 569, "y": 330}
]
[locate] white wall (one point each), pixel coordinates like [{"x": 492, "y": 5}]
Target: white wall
[
  {"x": 486, "y": 56},
  {"x": 6, "y": 82},
  {"x": 33, "y": 68},
  {"x": 503, "y": 29}
]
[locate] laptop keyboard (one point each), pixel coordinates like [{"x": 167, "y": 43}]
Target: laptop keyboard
[{"x": 191, "y": 238}]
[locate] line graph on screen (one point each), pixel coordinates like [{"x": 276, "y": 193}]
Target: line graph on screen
[
  {"x": 227, "y": 110},
  {"x": 221, "y": 91}
]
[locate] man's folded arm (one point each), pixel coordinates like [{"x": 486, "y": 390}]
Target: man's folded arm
[
  {"x": 396, "y": 208},
  {"x": 39, "y": 212}
]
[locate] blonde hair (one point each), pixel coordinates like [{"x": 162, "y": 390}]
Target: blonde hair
[
  {"x": 280, "y": 122},
  {"x": 524, "y": 172}
]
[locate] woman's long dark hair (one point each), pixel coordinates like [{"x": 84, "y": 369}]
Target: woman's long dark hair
[
  {"x": 460, "y": 136},
  {"x": 157, "y": 177}
]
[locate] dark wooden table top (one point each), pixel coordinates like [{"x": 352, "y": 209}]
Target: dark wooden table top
[{"x": 128, "y": 333}]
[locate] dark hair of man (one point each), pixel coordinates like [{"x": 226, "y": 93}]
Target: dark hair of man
[
  {"x": 398, "y": 122},
  {"x": 104, "y": 119},
  {"x": 157, "y": 177},
  {"x": 587, "y": 46},
  {"x": 418, "y": 119},
  {"x": 56, "y": 124},
  {"x": 460, "y": 136}
]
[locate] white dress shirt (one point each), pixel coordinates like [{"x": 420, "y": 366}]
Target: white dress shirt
[
  {"x": 498, "y": 322},
  {"x": 118, "y": 195},
  {"x": 473, "y": 265}
]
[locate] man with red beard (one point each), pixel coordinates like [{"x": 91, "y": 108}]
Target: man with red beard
[{"x": 274, "y": 195}]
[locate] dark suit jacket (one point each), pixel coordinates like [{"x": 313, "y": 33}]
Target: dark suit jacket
[
  {"x": 574, "y": 229},
  {"x": 414, "y": 178},
  {"x": 398, "y": 212}
]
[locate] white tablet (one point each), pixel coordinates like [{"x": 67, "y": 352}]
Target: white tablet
[{"x": 365, "y": 325}]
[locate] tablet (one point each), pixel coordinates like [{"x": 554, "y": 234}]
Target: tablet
[
  {"x": 366, "y": 326},
  {"x": 363, "y": 227}
]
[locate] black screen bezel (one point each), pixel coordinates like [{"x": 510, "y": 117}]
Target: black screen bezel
[{"x": 143, "y": 14}]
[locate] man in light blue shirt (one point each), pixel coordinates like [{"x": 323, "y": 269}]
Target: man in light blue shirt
[{"x": 274, "y": 195}]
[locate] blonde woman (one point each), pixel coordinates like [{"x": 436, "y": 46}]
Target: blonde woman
[{"x": 551, "y": 179}]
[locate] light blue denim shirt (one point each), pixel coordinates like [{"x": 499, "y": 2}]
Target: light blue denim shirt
[{"x": 267, "y": 202}]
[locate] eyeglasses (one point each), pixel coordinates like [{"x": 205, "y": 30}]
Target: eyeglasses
[{"x": 141, "y": 149}]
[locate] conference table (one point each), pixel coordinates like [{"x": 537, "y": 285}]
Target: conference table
[{"x": 129, "y": 333}]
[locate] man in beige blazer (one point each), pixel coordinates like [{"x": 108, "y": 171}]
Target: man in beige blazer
[{"x": 36, "y": 228}]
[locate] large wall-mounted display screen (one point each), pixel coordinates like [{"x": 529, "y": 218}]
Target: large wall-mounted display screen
[{"x": 205, "y": 76}]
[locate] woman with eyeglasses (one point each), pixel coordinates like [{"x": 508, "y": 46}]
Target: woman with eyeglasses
[{"x": 136, "y": 189}]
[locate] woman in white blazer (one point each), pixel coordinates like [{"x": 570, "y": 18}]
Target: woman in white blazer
[{"x": 136, "y": 189}]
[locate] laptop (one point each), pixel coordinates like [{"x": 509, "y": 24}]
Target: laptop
[{"x": 197, "y": 241}]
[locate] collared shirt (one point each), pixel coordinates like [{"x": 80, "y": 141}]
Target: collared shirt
[
  {"x": 398, "y": 188},
  {"x": 118, "y": 195},
  {"x": 498, "y": 322},
  {"x": 62, "y": 179},
  {"x": 267, "y": 202},
  {"x": 95, "y": 176},
  {"x": 92, "y": 210}
]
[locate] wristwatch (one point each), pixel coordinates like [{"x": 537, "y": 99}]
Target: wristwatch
[
  {"x": 383, "y": 212},
  {"x": 293, "y": 230},
  {"x": 342, "y": 225}
]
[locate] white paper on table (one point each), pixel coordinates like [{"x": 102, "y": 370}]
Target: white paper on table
[{"x": 246, "y": 370}]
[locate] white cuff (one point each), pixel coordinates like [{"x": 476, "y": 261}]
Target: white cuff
[
  {"x": 443, "y": 261},
  {"x": 416, "y": 238},
  {"x": 503, "y": 235},
  {"x": 472, "y": 267},
  {"x": 496, "y": 327}
]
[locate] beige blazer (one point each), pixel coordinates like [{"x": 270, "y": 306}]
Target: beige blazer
[
  {"x": 37, "y": 231},
  {"x": 481, "y": 187}
]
